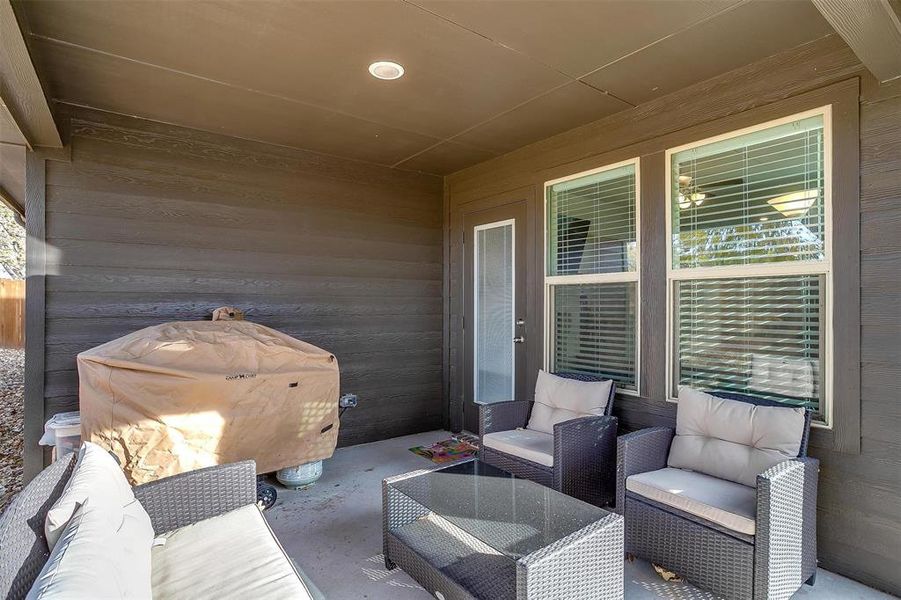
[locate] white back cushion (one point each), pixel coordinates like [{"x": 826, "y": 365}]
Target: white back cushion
[
  {"x": 733, "y": 440},
  {"x": 558, "y": 399},
  {"x": 98, "y": 477},
  {"x": 83, "y": 563},
  {"x": 135, "y": 539},
  {"x": 92, "y": 559}
]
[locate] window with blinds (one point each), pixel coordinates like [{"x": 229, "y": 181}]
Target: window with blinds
[
  {"x": 750, "y": 275},
  {"x": 594, "y": 331},
  {"x": 753, "y": 199},
  {"x": 591, "y": 223},
  {"x": 493, "y": 292},
  {"x": 592, "y": 274}
]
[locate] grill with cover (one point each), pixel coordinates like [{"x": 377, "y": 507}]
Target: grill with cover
[{"x": 180, "y": 396}]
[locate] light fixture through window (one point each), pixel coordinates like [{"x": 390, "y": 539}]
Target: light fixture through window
[
  {"x": 386, "y": 69},
  {"x": 795, "y": 204},
  {"x": 689, "y": 200}
]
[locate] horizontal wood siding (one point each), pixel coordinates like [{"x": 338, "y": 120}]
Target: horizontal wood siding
[
  {"x": 860, "y": 494},
  {"x": 150, "y": 223}
]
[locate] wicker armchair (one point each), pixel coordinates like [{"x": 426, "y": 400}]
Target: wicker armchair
[
  {"x": 584, "y": 452},
  {"x": 771, "y": 564}
]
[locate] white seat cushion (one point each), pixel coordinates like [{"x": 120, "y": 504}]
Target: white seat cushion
[
  {"x": 98, "y": 477},
  {"x": 725, "y": 503},
  {"x": 535, "y": 446},
  {"x": 559, "y": 399},
  {"x": 733, "y": 440},
  {"x": 234, "y": 555},
  {"x": 85, "y": 562}
]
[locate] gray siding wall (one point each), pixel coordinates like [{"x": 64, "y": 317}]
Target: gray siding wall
[
  {"x": 150, "y": 223},
  {"x": 860, "y": 494}
]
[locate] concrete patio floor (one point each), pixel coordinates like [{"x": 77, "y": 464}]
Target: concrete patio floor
[{"x": 333, "y": 532}]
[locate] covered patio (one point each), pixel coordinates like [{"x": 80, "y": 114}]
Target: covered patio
[
  {"x": 334, "y": 530},
  {"x": 635, "y": 260}
]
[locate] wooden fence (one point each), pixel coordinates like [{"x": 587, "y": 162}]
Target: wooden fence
[{"x": 12, "y": 313}]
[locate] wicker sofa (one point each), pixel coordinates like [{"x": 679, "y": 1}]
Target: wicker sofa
[
  {"x": 583, "y": 461},
  {"x": 753, "y": 541},
  {"x": 218, "y": 543}
]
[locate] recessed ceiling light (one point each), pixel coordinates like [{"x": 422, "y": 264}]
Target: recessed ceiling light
[{"x": 386, "y": 69}]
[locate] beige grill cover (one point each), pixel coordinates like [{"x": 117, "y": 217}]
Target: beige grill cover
[{"x": 181, "y": 396}]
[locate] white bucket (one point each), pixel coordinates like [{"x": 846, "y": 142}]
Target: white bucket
[
  {"x": 63, "y": 432},
  {"x": 300, "y": 476}
]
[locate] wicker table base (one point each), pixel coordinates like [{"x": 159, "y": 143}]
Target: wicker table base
[{"x": 480, "y": 547}]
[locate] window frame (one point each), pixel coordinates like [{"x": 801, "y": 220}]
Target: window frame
[
  {"x": 807, "y": 267},
  {"x": 549, "y": 281},
  {"x": 475, "y": 300}
]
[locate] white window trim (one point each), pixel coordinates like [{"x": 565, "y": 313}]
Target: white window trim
[
  {"x": 759, "y": 270},
  {"x": 551, "y": 280},
  {"x": 475, "y": 302}
]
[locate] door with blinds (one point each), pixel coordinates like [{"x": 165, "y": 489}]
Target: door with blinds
[{"x": 494, "y": 315}]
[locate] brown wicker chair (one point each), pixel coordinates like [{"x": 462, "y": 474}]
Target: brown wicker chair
[{"x": 584, "y": 448}]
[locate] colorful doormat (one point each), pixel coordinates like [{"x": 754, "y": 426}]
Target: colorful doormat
[{"x": 447, "y": 451}]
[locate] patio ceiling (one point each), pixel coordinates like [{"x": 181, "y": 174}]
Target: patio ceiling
[{"x": 482, "y": 78}]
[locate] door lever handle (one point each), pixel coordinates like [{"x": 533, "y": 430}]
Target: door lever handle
[{"x": 519, "y": 339}]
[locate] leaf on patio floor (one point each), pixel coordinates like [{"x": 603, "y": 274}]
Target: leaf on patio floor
[{"x": 667, "y": 575}]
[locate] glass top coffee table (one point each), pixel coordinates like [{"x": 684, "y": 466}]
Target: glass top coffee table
[{"x": 471, "y": 530}]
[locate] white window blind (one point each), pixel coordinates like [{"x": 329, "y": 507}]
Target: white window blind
[
  {"x": 594, "y": 330},
  {"x": 494, "y": 306},
  {"x": 592, "y": 274},
  {"x": 750, "y": 269},
  {"x": 753, "y": 199},
  {"x": 759, "y": 335},
  {"x": 591, "y": 224}
]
